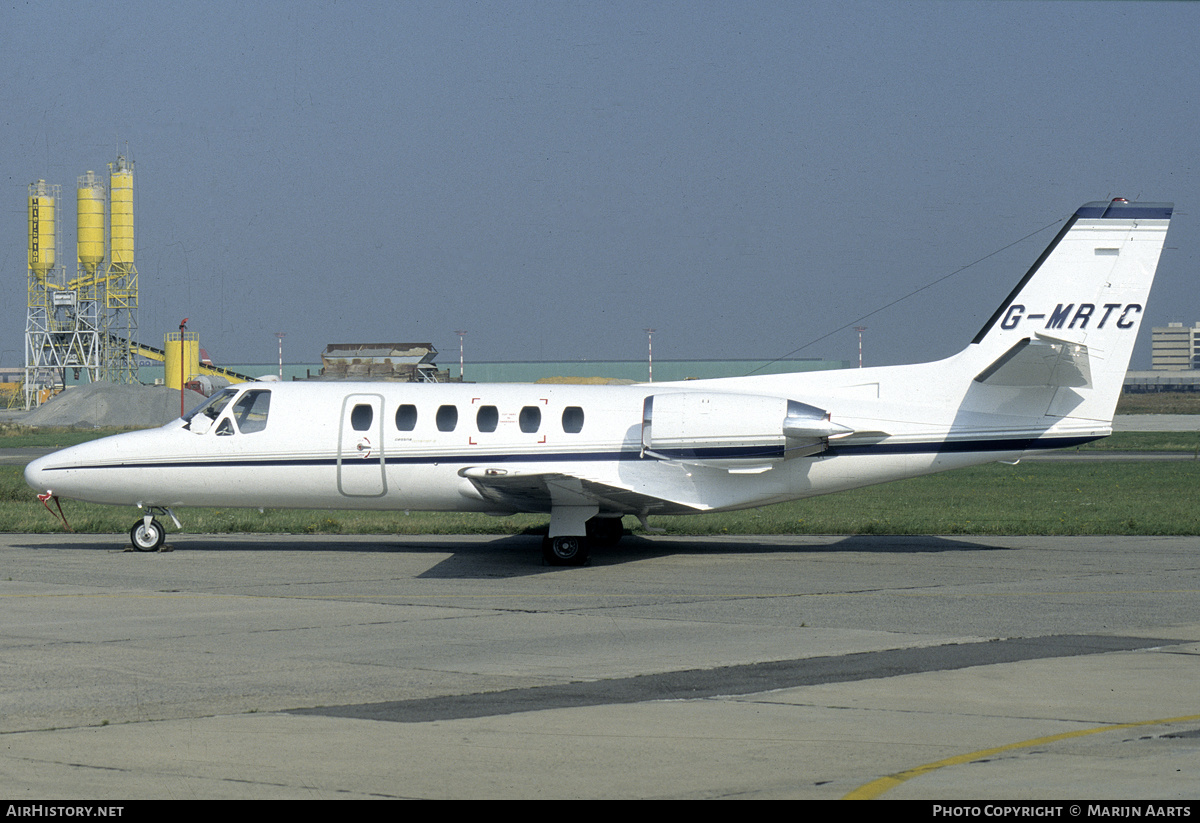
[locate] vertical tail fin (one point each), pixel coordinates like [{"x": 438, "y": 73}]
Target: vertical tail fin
[{"x": 1072, "y": 321}]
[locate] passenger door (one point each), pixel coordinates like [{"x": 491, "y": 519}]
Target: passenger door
[{"x": 360, "y": 463}]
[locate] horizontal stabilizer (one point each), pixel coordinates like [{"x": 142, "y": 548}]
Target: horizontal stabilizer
[{"x": 1040, "y": 361}]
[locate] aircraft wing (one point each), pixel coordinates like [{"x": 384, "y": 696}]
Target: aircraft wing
[{"x": 539, "y": 491}]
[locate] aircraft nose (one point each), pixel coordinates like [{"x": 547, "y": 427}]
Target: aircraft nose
[
  {"x": 35, "y": 475},
  {"x": 46, "y": 473}
]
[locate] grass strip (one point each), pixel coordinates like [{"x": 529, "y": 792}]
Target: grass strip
[{"x": 1050, "y": 498}]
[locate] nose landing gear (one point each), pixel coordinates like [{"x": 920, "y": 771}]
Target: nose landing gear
[{"x": 147, "y": 534}]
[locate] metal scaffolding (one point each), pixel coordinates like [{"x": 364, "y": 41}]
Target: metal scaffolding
[
  {"x": 61, "y": 319},
  {"x": 88, "y": 324}
]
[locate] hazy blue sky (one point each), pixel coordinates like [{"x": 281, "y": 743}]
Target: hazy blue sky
[{"x": 746, "y": 177}]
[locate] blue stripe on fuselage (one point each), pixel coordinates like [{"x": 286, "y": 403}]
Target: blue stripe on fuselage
[{"x": 731, "y": 453}]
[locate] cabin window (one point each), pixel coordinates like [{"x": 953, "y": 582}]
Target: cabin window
[
  {"x": 487, "y": 418},
  {"x": 530, "y": 419},
  {"x": 447, "y": 418},
  {"x": 406, "y": 417},
  {"x": 251, "y": 409},
  {"x": 572, "y": 419},
  {"x": 361, "y": 417}
]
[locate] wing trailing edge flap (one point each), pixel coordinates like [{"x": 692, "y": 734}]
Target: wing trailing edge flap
[
  {"x": 1040, "y": 360},
  {"x": 542, "y": 491}
]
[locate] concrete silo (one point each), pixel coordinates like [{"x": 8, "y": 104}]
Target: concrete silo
[
  {"x": 43, "y": 231},
  {"x": 120, "y": 281},
  {"x": 60, "y": 318},
  {"x": 89, "y": 224}
]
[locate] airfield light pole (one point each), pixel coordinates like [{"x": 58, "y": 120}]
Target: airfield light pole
[
  {"x": 281, "y": 335},
  {"x": 860, "y": 330},
  {"x": 461, "y": 333},
  {"x": 650, "y": 352}
]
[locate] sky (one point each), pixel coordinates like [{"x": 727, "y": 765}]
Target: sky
[{"x": 750, "y": 179}]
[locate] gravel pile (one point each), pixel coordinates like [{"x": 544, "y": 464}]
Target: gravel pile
[{"x": 111, "y": 404}]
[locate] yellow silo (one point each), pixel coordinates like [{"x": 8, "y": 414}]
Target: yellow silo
[
  {"x": 120, "y": 280},
  {"x": 120, "y": 184},
  {"x": 181, "y": 361},
  {"x": 41, "y": 229},
  {"x": 90, "y": 222}
]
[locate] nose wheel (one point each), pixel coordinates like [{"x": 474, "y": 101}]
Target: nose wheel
[{"x": 147, "y": 535}]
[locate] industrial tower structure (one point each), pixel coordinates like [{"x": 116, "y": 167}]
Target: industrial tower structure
[
  {"x": 61, "y": 318},
  {"x": 120, "y": 281},
  {"x": 88, "y": 324}
]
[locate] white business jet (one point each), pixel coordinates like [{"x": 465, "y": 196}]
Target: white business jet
[{"x": 1044, "y": 372}]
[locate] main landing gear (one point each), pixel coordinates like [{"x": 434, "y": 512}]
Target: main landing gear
[
  {"x": 572, "y": 550},
  {"x": 565, "y": 550}
]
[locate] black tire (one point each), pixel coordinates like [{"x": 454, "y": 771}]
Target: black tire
[
  {"x": 147, "y": 538},
  {"x": 605, "y": 531},
  {"x": 565, "y": 550}
]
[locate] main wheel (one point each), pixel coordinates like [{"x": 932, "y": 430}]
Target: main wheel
[
  {"x": 147, "y": 538},
  {"x": 565, "y": 550},
  {"x": 605, "y": 531}
]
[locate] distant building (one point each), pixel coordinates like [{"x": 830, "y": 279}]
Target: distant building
[
  {"x": 1163, "y": 380},
  {"x": 1175, "y": 347},
  {"x": 404, "y": 362},
  {"x": 636, "y": 371}
]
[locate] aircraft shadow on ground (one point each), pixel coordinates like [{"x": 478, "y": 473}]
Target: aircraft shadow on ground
[{"x": 520, "y": 555}]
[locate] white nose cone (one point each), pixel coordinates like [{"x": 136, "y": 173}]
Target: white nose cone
[
  {"x": 35, "y": 475},
  {"x": 56, "y": 473},
  {"x": 91, "y": 471}
]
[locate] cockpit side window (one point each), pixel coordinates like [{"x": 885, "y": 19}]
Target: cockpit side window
[{"x": 251, "y": 410}]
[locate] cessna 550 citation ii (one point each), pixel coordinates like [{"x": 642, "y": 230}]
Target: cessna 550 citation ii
[{"x": 1044, "y": 372}]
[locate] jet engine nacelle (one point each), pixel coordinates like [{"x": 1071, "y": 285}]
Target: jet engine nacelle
[{"x": 723, "y": 429}]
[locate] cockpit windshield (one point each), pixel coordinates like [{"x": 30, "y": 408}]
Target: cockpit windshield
[{"x": 213, "y": 406}]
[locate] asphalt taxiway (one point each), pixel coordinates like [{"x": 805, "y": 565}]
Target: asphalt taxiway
[{"x": 459, "y": 667}]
